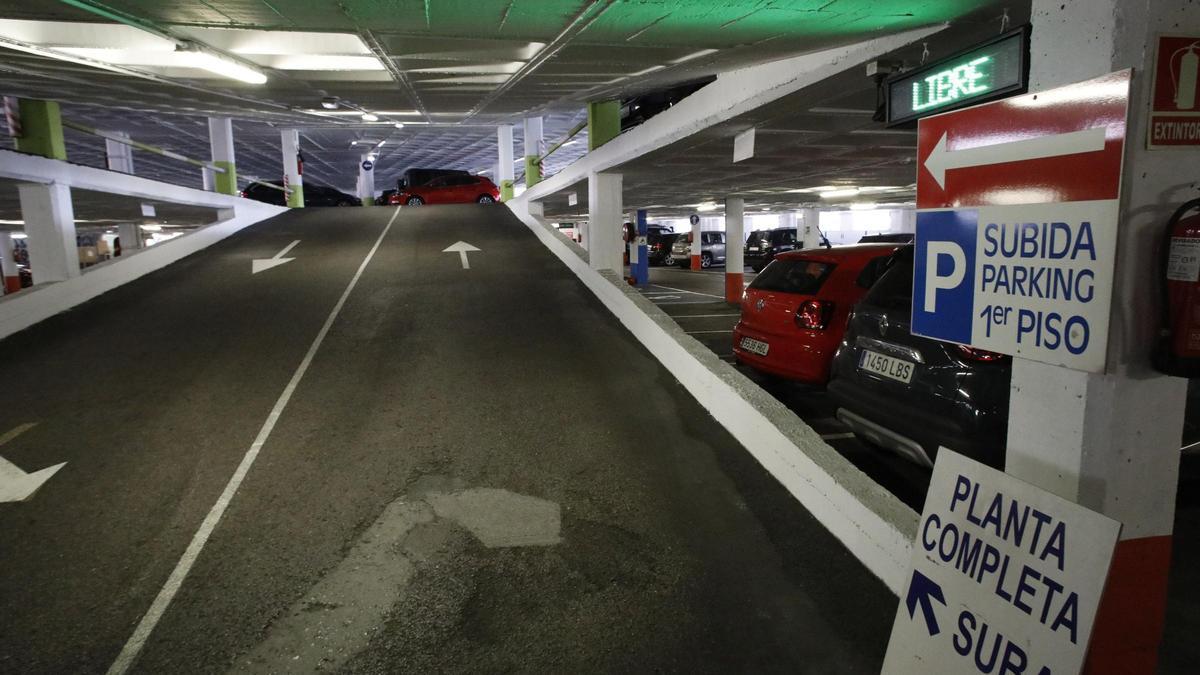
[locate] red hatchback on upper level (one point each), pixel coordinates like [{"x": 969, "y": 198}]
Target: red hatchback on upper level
[
  {"x": 453, "y": 189},
  {"x": 794, "y": 312}
]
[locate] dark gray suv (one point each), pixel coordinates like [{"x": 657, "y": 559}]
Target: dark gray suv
[{"x": 912, "y": 394}]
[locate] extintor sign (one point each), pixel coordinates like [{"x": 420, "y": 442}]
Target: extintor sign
[{"x": 1175, "y": 97}]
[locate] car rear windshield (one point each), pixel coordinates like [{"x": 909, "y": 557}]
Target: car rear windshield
[
  {"x": 894, "y": 288},
  {"x": 804, "y": 277}
]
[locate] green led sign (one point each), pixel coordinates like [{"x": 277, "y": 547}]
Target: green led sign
[{"x": 982, "y": 73}]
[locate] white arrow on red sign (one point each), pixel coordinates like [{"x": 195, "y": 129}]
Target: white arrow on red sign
[{"x": 941, "y": 160}]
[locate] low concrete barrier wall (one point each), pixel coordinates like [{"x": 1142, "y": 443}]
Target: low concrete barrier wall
[
  {"x": 21, "y": 310},
  {"x": 870, "y": 521}
]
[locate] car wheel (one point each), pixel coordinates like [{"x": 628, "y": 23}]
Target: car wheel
[
  {"x": 414, "y": 201},
  {"x": 344, "y": 203},
  {"x": 486, "y": 199},
  {"x": 706, "y": 261},
  {"x": 668, "y": 261}
]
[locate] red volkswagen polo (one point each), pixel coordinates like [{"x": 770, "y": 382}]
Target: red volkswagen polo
[{"x": 794, "y": 312}]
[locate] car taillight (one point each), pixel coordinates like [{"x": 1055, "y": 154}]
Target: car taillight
[
  {"x": 982, "y": 355},
  {"x": 814, "y": 314}
]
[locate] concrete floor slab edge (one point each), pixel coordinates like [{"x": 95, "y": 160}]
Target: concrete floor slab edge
[
  {"x": 871, "y": 522},
  {"x": 24, "y": 309}
]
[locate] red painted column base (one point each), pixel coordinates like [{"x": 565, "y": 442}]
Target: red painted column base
[
  {"x": 12, "y": 284},
  {"x": 1129, "y": 623},
  {"x": 695, "y": 262},
  {"x": 733, "y": 286}
]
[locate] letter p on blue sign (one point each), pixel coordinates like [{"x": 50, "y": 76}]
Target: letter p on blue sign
[{"x": 944, "y": 274}]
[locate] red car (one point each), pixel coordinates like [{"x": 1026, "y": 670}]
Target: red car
[
  {"x": 455, "y": 189},
  {"x": 794, "y": 312}
]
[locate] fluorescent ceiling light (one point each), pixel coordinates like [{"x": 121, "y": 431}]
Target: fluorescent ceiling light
[
  {"x": 227, "y": 68},
  {"x": 330, "y": 103},
  {"x": 863, "y": 206},
  {"x": 706, "y": 206},
  {"x": 152, "y": 228},
  {"x": 834, "y": 194},
  {"x": 370, "y": 117},
  {"x": 388, "y": 113},
  {"x": 18, "y": 235},
  {"x": 826, "y": 110},
  {"x": 399, "y": 125},
  {"x": 695, "y": 55}
]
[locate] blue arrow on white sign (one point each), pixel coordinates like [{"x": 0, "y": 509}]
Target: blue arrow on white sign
[{"x": 923, "y": 590}]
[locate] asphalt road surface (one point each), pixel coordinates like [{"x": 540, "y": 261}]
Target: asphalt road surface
[{"x": 371, "y": 459}]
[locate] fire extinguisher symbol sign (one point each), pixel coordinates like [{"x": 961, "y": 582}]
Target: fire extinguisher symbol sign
[{"x": 1175, "y": 103}]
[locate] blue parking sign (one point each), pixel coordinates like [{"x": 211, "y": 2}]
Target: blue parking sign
[{"x": 944, "y": 274}]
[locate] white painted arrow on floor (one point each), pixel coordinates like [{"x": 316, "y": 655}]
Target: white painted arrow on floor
[
  {"x": 942, "y": 160},
  {"x": 461, "y": 249},
  {"x": 15, "y": 484},
  {"x": 264, "y": 264}
]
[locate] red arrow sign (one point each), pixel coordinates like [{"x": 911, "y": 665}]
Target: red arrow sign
[{"x": 1063, "y": 145}]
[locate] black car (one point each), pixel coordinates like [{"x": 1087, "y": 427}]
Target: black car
[
  {"x": 763, "y": 245},
  {"x": 890, "y": 238},
  {"x": 912, "y": 394},
  {"x": 314, "y": 195},
  {"x": 658, "y": 247}
]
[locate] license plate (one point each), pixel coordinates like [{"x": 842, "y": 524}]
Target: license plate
[
  {"x": 887, "y": 366},
  {"x": 755, "y": 346},
  {"x": 752, "y": 249}
]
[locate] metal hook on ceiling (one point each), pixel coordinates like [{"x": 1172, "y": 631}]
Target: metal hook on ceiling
[
  {"x": 925, "y": 52},
  {"x": 1004, "y": 21}
]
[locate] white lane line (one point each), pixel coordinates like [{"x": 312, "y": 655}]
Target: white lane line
[
  {"x": 682, "y": 290},
  {"x": 705, "y": 332},
  {"x": 16, "y": 431},
  {"x": 836, "y": 437},
  {"x": 137, "y": 641}
]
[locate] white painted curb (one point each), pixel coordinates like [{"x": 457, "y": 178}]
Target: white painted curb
[{"x": 870, "y": 521}]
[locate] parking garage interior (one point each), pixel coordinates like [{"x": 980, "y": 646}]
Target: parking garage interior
[{"x": 277, "y": 404}]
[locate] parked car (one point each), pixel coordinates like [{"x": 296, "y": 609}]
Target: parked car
[
  {"x": 385, "y": 197},
  {"x": 417, "y": 177},
  {"x": 889, "y": 238},
  {"x": 658, "y": 247},
  {"x": 912, "y": 394},
  {"x": 315, "y": 194},
  {"x": 712, "y": 250},
  {"x": 763, "y": 245},
  {"x": 794, "y": 312},
  {"x": 455, "y": 189}
]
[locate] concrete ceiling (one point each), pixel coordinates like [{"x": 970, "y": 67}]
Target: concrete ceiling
[{"x": 450, "y": 70}]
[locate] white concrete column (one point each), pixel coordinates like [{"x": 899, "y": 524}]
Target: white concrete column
[
  {"x": 1111, "y": 441},
  {"x": 505, "y": 172},
  {"x": 289, "y": 143},
  {"x": 119, "y": 155},
  {"x": 697, "y": 244},
  {"x": 735, "y": 240},
  {"x": 220, "y": 136},
  {"x": 208, "y": 179},
  {"x": 50, "y": 229},
  {"x": 808, "y": 228},
  {"x": 131, "y": 236},
  {"x": 10, "y": 279},
  {"x": 366, "y": 180},
  {"x": 603, "y": 233}
]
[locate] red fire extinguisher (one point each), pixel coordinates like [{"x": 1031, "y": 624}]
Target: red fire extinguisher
[{"x": 1178, "y": 349}]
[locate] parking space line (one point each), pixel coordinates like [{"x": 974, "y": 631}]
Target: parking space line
[
  {"x": 703, "y": 332},
  {"x": 836, "y": 437},
  {"x": 133, "y": 648},
  {"x": 681, "y": 290}
]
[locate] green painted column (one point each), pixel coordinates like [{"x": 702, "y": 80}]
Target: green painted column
[
  {"x": 604, "y": 122},
  {"x": 226, "y": 183},
  {"x": 41, "y": 129},
  {"x": 506, "y": 190},
  {"x": 533, "y": 170},
  {"x": 295, "y": 198}
]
